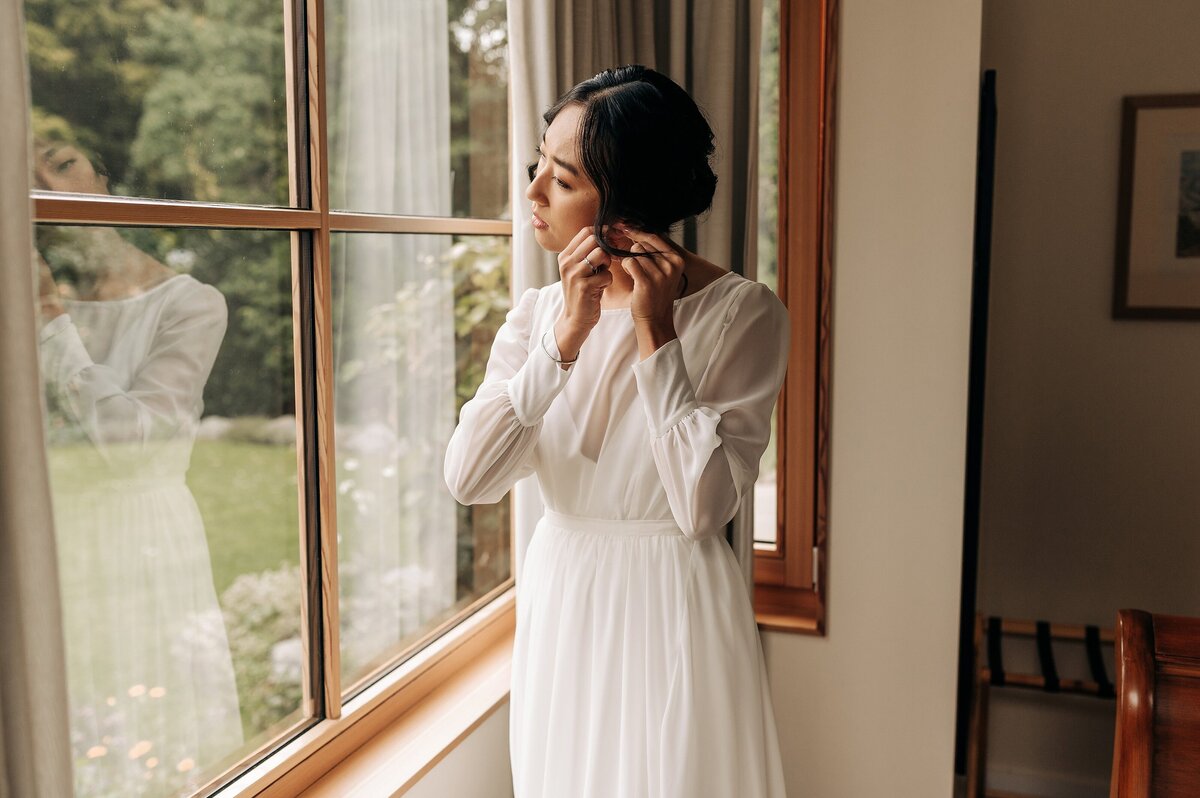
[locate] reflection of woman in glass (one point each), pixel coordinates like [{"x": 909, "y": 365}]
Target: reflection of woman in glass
[{"x": 126, "y": 350}]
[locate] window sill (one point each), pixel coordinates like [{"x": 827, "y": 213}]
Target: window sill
[
  {"x": 396, "y": 731},
  {"x": 784, "y": 609},
  {"x": 401, "y": 753}
]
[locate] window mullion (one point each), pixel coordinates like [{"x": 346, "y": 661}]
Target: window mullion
[{"x": 321, "y": 553}]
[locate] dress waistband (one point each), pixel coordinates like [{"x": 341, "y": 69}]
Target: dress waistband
[{"x": 612, "y": 526}]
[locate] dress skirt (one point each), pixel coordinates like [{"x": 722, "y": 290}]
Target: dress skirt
[{"x": 637, "y": 670}]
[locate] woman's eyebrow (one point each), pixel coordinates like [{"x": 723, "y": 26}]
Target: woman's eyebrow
[{"x": 558, "y": 160}]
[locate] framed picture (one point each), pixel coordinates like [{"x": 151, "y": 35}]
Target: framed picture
[{"x": 1158, "y": 224}]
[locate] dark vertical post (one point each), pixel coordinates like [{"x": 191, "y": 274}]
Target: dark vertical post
[{"x": 976, "y": 376}]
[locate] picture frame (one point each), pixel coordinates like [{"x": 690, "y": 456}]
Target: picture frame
[{"x": 1158, "y": 209}]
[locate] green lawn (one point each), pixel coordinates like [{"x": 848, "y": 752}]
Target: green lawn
[
  {"x": 247, "y": 497},
  {"x": 246, "y": 493}
]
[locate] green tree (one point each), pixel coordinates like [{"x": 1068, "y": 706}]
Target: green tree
[{"x": 213, "y": 125}]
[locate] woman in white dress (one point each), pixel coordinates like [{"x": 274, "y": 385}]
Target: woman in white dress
[
  {"x": 639, "y": 390},
  {"x": 153, "y": 699}
]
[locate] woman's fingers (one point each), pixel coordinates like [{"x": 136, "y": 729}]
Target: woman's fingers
[
  {"x": 635, "y": 269},
  {"x": 571, "y": 254},
  {"x": 598, "y": 258},
  {"x": 665, "y": 259}
]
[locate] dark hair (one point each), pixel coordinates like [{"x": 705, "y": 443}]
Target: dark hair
[{"x": 645, "y": 145}]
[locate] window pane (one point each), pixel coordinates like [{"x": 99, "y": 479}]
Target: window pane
[
  {"x": 414, "y": 317},
  {"x": 418, "y": 107},
  {"x": 765, "y": 492},
  {"x": 154, "y": 98},
  {"x": 166, "y": 355}
]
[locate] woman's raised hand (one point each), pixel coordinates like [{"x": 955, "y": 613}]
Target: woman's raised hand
[
  {"x": 656, "y": 277},
  {"x": 582, "y": 291}
]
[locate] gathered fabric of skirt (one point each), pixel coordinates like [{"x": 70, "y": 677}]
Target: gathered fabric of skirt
[
  {"x": 148, "y": 660},
  {"x": 637, "y": 668}
]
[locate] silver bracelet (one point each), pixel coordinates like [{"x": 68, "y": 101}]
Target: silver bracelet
[{"x": 552, "y": 357}]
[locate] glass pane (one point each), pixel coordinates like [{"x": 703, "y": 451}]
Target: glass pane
[
  {"x": 166, "y": 356},
  {"x": 414, "y": 317},
  {"x": 765, "y": 494},
  {"x": 153, "y": 98},
  {"x": 418, "y": 107}
]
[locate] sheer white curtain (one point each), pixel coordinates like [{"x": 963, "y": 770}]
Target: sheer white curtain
[
  {"x": 34, "y": 738},
  {"x": 711, "y": 49},
  {"x": 394, "y": 310}
]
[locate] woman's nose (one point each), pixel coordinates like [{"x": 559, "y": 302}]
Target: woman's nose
[{"x": 534, "y": 190}]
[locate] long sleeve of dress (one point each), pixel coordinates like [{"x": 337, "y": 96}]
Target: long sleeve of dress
[
  {"x": 493, "y": 445},
  {"x": 707, "y": 442},
  {"x": 165, "y": 393}
]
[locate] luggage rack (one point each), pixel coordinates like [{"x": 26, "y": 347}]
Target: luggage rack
[{"x": 990, "y": 632}]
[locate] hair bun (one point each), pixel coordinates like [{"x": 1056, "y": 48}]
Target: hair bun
[{"x": 646, "y": 146}]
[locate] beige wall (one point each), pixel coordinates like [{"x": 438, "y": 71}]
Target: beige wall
[
  {"x": 1092, "y": 444},
  {"x": 869, "y": 710}
]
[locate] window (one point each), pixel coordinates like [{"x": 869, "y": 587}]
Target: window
[
  {"x": 274, "y": 251},
  {"x": 794, "y": 251}
]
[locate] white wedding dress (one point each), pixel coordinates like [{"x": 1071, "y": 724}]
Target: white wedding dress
[
  {"x": 637, "y": 670},
  {"x": 153, "y": 700}
]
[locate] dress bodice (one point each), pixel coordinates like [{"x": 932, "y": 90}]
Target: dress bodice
[
  {"x": 125, "y": 378},
  {"x": 676, "y": 435}
]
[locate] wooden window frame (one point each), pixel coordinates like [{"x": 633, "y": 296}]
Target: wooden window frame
[
  {"x": 791, "y": 579},
  {"x": 456, "y": 675}
]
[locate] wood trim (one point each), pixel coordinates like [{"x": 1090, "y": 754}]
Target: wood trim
[
  {"x": 1035, "y": 682},
  {"x": 1059, "y": 631},
  {"x": 307, "y": 474},
  {"x": 57, "y": 208},
  {"x": 347, "y": 222},
  {"x": 1132, "y": 768},
  {"x": 331, "y": 683},
  {"x": 786, "y": 596},
  {"x": 460, "y": 663},
  {"x": 784, "y": 609}
]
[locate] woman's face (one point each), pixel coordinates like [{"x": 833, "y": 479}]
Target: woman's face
[
  {"x": 561, "y": 194},
  {"x": 62, "y": 167}
]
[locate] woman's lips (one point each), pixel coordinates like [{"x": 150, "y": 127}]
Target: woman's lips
[{"x": 538, "y": 222}]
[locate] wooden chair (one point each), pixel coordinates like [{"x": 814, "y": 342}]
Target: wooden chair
[
  {"x": 990, "y": 632},
  {"x": 1157, "y": 749}
]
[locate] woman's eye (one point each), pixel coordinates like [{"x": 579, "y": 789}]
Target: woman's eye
[
  {"x": 532, "y": 168},
  {"x": 65, "y": 165}
]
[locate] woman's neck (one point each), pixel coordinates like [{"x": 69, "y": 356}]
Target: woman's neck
[{"x": 116, "y": 268}]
